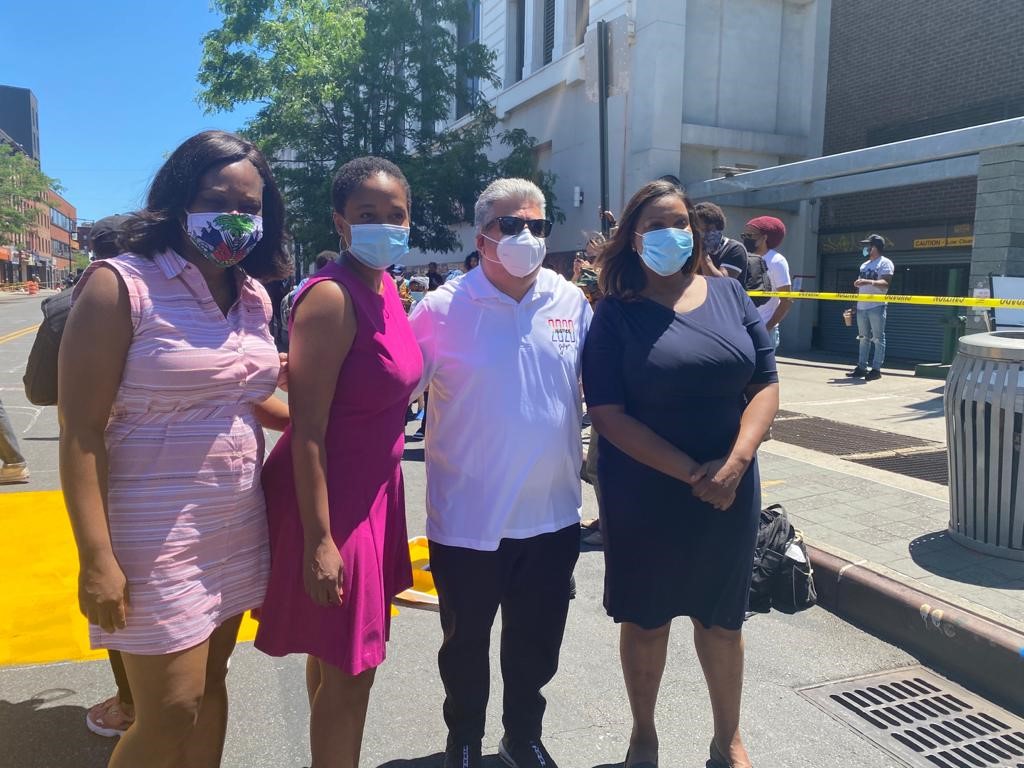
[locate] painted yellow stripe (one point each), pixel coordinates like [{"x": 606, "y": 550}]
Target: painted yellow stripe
[
  {"x": 18, "y": 334},
  {"x": 891, "y": 298},
  {"x": 39, "y": 617}
]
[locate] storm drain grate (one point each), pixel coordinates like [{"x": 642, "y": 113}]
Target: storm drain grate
[
  {"x": 838, "y": 439},
  {"x": 932, "y": 466},
  {"x": 924, "y": 720}
]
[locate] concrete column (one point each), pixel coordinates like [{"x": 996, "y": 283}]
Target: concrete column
[
  {"x": 998, "y": 220},
  {"x": 655, "y": 119}
]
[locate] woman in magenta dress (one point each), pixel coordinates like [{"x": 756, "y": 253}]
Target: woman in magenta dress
[{"x": 333, "y": 483}]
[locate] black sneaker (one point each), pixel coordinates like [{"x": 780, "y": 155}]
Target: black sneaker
[
  {"x": 524, "y": 754},
  {"x": 858, "y": 373},
  {"x": 463, "y": 756},
  {"x": 873, "y": 375}
]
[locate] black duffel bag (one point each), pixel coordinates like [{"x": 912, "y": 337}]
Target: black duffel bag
[{"x": 782, "y": 576}]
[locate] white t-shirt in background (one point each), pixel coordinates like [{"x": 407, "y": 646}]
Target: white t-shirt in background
[
  {"x": 503, "y": 449},
  {"x": 778, "y": 274},
  {"x": 875, "y": 269}
]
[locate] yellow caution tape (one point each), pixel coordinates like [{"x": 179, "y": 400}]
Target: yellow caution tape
[{"x": 891, "y": 298}]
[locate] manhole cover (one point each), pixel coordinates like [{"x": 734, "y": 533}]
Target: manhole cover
[
  {"x": 932, "y": 466},
  {"x": 925, "y": 720}
]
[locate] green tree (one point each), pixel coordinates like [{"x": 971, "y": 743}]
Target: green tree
[
  {"x": 342, "y": 78},
  {"x": 22, "y": 185}
]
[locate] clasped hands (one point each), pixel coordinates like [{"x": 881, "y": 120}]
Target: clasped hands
[{"x": 715, "y": 482}]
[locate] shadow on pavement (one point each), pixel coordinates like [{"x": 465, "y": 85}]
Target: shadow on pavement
[
  {"x": 938, "y": 553},
  {"x": 36, "y": 734},
  {"x": 413, "y": 454}
]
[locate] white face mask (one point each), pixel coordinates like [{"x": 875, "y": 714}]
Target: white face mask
[{"x": 520, "y": 254}]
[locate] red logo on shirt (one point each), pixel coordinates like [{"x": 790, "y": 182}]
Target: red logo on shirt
[{"x": 563, "y": 334}]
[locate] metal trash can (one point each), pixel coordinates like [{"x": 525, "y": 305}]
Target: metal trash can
[{"x": 984, "y": 405}]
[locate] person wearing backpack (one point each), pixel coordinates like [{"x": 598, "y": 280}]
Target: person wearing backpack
[
  {"x": 40, "y": 377},
  {"x": 112, "y": 716},
  {"x": 727, "y": 255},
  {"x": 761, "y": 236}
]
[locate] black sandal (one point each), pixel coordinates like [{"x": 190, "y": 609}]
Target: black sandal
[{"x": 717, "y": 759}]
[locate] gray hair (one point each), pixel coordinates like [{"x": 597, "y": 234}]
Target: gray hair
[{"x": 518, "y": 190}]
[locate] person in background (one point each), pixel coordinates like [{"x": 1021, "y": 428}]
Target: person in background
[
  {"x": 161, "y": 445},
  {"x": 434, "y": 277},
  {"x": 112, "y": 716},
  {"x": 472, "y": 261},
  {"x": 15, "y": 468},
  {"x": 873, "y": 280},
  {"x": 503, "y": 515},
  {"x": 418, "y": 285},
  {"x": 335, "y": 496},
  {"x": 727, "y": 255},
  {"x": 762, "y": 236},
  {"x": 398, "y": 275},
  {"x": 680, "y": 380}
]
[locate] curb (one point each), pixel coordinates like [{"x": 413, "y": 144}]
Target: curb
[{"x": 985, "y": 655}]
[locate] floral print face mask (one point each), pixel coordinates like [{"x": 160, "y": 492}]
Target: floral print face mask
[{"x": 224, "y": 238}]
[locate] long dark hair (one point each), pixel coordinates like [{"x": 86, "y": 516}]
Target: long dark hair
[
  {"x": 621, "y": 274},
  {"x": 158, "y": 226}
]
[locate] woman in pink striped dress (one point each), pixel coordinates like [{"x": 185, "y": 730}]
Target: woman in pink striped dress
[{"x": 167, "y": 371}]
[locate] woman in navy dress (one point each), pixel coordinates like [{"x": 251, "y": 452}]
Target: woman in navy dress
[{"x": 681, "y": 384}]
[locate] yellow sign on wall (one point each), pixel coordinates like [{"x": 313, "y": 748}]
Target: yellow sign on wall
[{"x": 943, "y": 242}]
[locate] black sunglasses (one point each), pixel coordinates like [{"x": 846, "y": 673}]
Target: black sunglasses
[{"x": 513, "y": 225}]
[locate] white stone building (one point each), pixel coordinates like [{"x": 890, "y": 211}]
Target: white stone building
[{"x": 697, "y": 88}]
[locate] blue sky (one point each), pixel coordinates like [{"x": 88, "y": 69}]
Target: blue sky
[{"x": 116, "y": 84}]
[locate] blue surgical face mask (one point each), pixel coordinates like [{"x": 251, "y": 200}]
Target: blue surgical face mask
[
  {"x": 866, "y": 250},
  {"x": 666, "y": 251},
  {"x": 378, "y": 246}
]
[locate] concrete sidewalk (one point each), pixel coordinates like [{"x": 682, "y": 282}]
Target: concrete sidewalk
[{"x": 921, "y": 589}]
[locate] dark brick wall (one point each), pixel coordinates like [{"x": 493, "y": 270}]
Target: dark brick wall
[{"x": 905, "y": 68}]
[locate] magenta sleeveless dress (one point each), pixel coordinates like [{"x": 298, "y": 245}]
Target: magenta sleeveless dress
[{"x": 365, "y": 440}]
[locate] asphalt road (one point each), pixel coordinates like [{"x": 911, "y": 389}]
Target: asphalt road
[{"x": 42, "y": 708}]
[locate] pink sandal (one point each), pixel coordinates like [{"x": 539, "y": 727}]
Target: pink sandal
[{"x": 108, "y": 718}]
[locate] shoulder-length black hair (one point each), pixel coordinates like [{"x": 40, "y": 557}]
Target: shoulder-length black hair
[
  {"x": 158, "y": 227},
  {"x": 621, "y": 273}
]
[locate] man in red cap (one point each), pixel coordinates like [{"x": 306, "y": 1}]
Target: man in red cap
[{"x": 762, "y": 236}]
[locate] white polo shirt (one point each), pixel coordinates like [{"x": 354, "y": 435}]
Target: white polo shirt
[{"x": 503, "y": 448}]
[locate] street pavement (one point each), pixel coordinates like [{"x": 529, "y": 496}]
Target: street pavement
[{"x": 42, "y": 708}]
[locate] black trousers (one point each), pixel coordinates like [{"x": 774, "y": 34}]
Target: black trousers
[{"x": 529, "y": 580}]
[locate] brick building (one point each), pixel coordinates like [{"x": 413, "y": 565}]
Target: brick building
[{"x": 898, "y": 71}]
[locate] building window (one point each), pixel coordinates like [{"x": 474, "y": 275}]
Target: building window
[
  {"x": 582, "y": 20},
  {"x": 548, "y": 21},
  {"x": 516, "y": 39},
  {"x": 468, "y": 34}
]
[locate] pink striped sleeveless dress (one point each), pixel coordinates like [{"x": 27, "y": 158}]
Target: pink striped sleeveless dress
[
  {"x": 365, "y": 440},
  {"x": 185, "y": 505}
]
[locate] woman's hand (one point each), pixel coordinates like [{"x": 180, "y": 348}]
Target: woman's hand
[
  {"x": 721, "y": 478},
  {"x": 282, "y": 373},
  {"x": 323, "y": 573},
  {"x": 103, "y": 592}
]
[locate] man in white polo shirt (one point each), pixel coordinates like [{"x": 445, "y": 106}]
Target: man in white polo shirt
[{"x": 501, "y": 350}]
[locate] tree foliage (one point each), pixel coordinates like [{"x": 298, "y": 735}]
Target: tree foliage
[
  {"x": 22, "y": 187},
  {"x": 338, "y": 79}
]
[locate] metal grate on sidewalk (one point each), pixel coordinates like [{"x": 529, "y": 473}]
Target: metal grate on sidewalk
[
  {"x": 932, "y": 466},
  {"x": 924, "y": 720},
  {"x": 902, "y": 454}
]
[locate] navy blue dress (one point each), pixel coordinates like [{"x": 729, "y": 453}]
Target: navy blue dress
[{"x": 667, "y": 553}]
